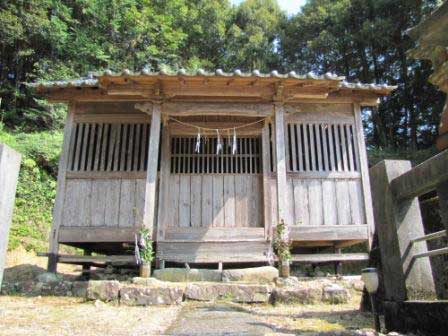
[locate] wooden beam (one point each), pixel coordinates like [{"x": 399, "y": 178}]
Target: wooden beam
[
  {"x": 326, "y": 232},
  {"x": 60, "y": 190},
  {"x": 122, "y": 118},
  {"x": 106, "y": 175},
  {"x": 282, "y": 201},
  {"x": 164, "y": 194},
  {"x": 422, "y": 178},
  {"x": 149, "y": 210},
  {"x": 207, "y": 108},
  {"x": 360, "y": 146},
  {"x": 96, "y": 235},
  {"x": 330, "y": 257},
  {"x": 265, "y": 146}
]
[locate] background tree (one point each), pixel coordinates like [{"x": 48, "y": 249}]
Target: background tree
[{"x": 366, "y": 40}]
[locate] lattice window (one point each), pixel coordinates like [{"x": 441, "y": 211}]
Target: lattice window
[
  {"x": 321, "y": 147},
  {"x": 109, "y": 147},
  {"x": 184, "y": 159}
]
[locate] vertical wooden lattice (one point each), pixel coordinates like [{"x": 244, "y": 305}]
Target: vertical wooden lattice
[
  {"x": 185, "y": 159},
  {"x": 321, "y": 147},
  {"x": 109, "y": 147}
]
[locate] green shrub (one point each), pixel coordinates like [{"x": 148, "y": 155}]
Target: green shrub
[{"x": 36, "y": 187}]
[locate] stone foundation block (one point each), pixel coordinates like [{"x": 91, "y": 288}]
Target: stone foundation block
[
  {"x": 266, "y": 274},
  {"x": 184, "y": 275},
  {"x": 107, "y": 290},
  {"x": 146, "y": 296},
  {"x": 298, "y": 295},
  {"x": 335, "y": 294},
  {"x": 233, "y": 292}
]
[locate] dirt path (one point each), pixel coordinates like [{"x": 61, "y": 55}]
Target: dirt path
[
  {"x": 217, "y": 319},
  {"x": 227, "y": 319}
]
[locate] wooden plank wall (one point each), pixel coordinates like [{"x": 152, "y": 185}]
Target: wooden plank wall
[
  {"x": 106, "y": 167},
  {"x": 104, "y": 203},
  {"x": 215, "y": 200},
  {"x": 324, "y": 185}
]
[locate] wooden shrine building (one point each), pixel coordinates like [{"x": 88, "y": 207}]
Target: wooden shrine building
[{"x": 210, "y": 162}]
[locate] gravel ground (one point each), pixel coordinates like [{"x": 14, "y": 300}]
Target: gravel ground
[{"x": 60, "y": 316}]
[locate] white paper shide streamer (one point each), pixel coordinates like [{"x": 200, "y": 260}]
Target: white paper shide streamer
[
  {"x": 218, "y": 142},
  {"x": 198, "y": 141},
  {"x": 234, "y": 148}
]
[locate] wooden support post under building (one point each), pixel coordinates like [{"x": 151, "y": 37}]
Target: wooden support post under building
[
  {"x": 364, "y": 168},
  {"x": 397, "y": 223},
  {"x": 283, "y": 211},
  {"x": 60, "y": 191},
  {"x": 266, "y": 186},
  {"x": 149, "y": 212}
]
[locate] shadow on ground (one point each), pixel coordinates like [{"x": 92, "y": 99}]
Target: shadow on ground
[{"x": 231, "y": 319}]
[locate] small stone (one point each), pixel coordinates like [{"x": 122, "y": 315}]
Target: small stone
[
  {"x": 147, "y": 296},
  {"x": 103, "y": 290},
  {"x": 335, "y": 294},
  {"x": 99, "y": 303},
  {"x": 265, "y": 274},
  {"x": 171, "y": 274},
  {"x": 49, "y": 277}
]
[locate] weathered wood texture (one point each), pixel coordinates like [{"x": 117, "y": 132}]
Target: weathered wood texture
[
  {"x": 207, "y": 252},
  {"x": 61, "y": 188},
  {"x": 151, "y": 187},
  {"x": 422, "y": 178},
  {"x": 397, "y": 224},
  {"x": 213, "y": 200},
  {"x": 442, "y": 192},
  {"x": 105, "y": 234},
  {"x": 283, "y": 204},
  {"x": 9, "y": 172},
  {"x": 108, "y": 147},
  {"x": 103, "y": 203}
]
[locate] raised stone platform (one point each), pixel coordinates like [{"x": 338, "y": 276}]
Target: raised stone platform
[{"x": 152, "y": 291}]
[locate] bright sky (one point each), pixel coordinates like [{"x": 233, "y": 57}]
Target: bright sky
[{"x": 290, "y": 6}]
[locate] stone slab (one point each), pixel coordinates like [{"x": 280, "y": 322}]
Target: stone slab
[
  {"x": 149, "y": 296},
  {"x": 265, "y": 274},
  {"x": 9, "y": 172},
  {"x": 234, "y": 292},
  {"x": 299, "y": 295},
  {"x": 184, "y": 275},
  {"x": 107, "y": 290}
]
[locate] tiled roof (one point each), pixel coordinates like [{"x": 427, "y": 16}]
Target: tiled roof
[{"x": 92, "y": 79}]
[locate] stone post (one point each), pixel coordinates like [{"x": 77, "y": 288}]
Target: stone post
[
  {"x": 397, "y": 223},
  {"x": 9, "y": 173}
]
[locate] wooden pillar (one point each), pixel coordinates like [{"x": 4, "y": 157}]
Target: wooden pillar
[
  {"x": 164, "y": 193},
  {"x": 60, "y": 191},
  {"x": 9, "y": 173},
  {"x": 282, "y": 200},
  {"x": 149, "y": 211},
  {"x": 397, "y": 223},
  {"x": 266, "y": 185},
  {"x": 360, "y": 144}
]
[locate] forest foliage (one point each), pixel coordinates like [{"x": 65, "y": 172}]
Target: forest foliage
[{"x": 363, "y": 40}]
